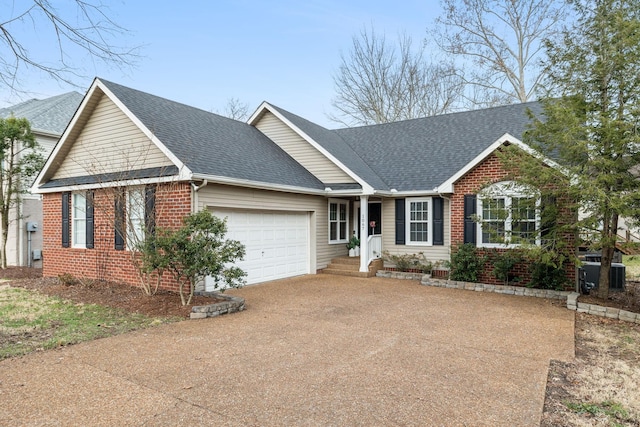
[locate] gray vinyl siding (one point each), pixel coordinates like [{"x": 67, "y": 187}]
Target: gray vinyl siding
[
  {"x": 303, "y": 152},
  {"x": 110, "y": 142},
  {"x": 321, "y": 252},
  {"x": 432, "y": 253}
]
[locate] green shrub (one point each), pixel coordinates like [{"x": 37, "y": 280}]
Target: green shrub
[
  {"x": 547, "y": 269},
  {"x": 408, "y": 262},
  {"x": 466, "y": 263},
  {"x": 503, "y": 262}
]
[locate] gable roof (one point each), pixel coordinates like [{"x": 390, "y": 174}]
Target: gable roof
[
  {"x": 422, "y": 154},
  {"x": 203, "y": 145},
  {"x": 213, "y": 145},
  {"x": 336, "y": 147},
  {"x": 50, "y": 115},
  {"x": 413, "y": 156}
]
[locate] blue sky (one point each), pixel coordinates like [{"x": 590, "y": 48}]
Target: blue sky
[{"x": 203, "y": 53}]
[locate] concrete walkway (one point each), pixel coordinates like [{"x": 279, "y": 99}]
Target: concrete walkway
[{"x": 311, "y": 351}]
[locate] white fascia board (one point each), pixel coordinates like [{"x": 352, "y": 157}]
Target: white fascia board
[
  {"x": 63, "y": 138},
  {"x": 413, "y": 193},
  {"x": 212, "y": 179},
  {"x": 447, "y": 186},
  {"x": 110, "y": 184},
  {"x": 256, "y": 114},
  {"x": 368, "y": 189},
  {"x": 175, "y": 160},
  {"x": 97, "y": 84}
]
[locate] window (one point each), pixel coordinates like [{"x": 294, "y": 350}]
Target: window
[
  {"x": 509, "y": 216},
  {"x": 79, "y": 220},
  {"x": 338, "y": 221},
  {"x": 135, "y": 217},
  {"x": 419, "y": 221}
]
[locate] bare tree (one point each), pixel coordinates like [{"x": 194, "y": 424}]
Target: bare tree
[
  {"x": 499, "y": 44},
  {"x": 379, "y": 83},
  {"x": 86, "y": 25},
  {"x": 236, "y": 109}
]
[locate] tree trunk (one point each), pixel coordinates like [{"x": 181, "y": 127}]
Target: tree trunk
[
  {"x": 5, "y": 236},
  {"x": 609, "y": 233}
]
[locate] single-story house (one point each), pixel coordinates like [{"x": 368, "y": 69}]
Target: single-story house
[
  {"x": 293, "y": 192},
  {"x": 48, "y": 118}
]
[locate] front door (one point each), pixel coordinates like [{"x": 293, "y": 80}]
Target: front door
[{"x": 374, "y": 221}]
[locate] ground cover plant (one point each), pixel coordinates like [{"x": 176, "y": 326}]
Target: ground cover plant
[{"x": 31, "y": 321}]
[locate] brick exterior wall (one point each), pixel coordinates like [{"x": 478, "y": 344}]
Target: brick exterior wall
[
  {"x": 488, "y": 172},
  {"x": 172, "y": 203}
]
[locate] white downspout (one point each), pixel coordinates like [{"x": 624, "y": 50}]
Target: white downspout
[{"x": 196, "y": 188}]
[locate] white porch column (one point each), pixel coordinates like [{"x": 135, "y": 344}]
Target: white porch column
[{"x": 364, "y": 233}]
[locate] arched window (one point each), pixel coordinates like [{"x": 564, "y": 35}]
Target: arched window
[{"x": 508, "y": 215}]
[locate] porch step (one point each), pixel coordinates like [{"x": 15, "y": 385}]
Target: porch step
[{"x": 350, "y": 266}]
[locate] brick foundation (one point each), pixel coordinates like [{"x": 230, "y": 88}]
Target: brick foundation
[{"x": 103, "y": 262}]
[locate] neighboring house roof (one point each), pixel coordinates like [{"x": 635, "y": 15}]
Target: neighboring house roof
[
  {"x": 50, "y": 115},
  {"x": 421, "y": 154}
]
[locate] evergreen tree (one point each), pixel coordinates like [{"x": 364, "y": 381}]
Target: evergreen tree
[{"x": 591, "y": 117}]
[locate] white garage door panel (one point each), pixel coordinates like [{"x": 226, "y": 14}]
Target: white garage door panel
[{"x": 277, "y": 243}]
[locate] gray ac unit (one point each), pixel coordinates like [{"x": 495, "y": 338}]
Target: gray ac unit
[{"x": 617, "y": 276}]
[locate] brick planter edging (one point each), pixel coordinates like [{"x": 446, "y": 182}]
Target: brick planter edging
[
  {"x": 230, "y": 305},
  {"x": 598, "y": 310},
  {"x": 498, "y": 289}
]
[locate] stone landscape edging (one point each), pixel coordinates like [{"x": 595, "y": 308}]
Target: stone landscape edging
[
  {"x": 570, "y": 297},
  {"x": 230, "y": 305}
]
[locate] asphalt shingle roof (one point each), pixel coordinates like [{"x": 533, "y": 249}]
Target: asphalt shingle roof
[
  {"x": 337, "y": 146},
  {"x": 48, "y": 115},
  {"x": 421, "y": 154},
  {"x": 210, "y": 144},
  {"x": 411, "y": 155}
]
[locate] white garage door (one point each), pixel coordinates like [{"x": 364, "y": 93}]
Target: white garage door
[{"x": 277, "y": 243}]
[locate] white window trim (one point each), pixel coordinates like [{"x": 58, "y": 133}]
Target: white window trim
[
  {"x": 407, "y": 214},
  {"x": 74, "y": 243},
  {"x": 347, "y": 235},
  {"x": 128, "y": 217},
  {"x": 507, "y": 190}
]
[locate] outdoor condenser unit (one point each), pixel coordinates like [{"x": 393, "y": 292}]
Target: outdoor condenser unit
[{"x": 616, "y": 277}]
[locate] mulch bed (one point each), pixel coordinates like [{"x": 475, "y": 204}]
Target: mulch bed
[
  {"x": 629, "y": 299},
  {"x": 117, "y": 295}
]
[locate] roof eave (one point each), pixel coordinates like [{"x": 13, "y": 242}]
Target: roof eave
[
  {"x": 216, "y": 179},
  {"x": 265, "y": 106},
  {"x": 447, "y": 187}
]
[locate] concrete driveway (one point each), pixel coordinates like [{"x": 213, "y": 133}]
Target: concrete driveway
[{"x": 311, "y": 351}]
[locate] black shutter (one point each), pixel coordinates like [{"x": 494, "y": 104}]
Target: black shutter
[
  {"x": 469, "y": 218},
  {"x": 66, "y": 211},
  {"x": 400, "y": 222},
  {"x": 150, "y": 209},
  {"x": 89, "y": 219},
  {"x": 548, "y": 214},
  {"x": 119, "y": 220},
  {"x": 438, "y": 221}
]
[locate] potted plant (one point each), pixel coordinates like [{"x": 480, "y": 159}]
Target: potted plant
[{"x": 353, "y": 246}]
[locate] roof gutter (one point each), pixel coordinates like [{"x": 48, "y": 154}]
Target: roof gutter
[{"x": 257, "y": 184}]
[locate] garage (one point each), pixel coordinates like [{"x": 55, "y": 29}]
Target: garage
[{"x": 276, "y": 242}]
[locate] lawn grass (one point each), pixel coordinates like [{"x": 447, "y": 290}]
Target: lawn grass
[
  {"x": 30, "y": 321},
  {"x": 632, "y": 266}
]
